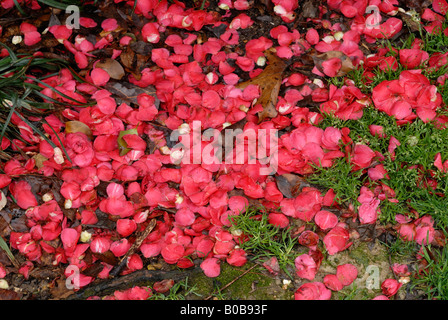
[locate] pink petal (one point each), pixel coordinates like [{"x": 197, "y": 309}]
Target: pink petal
[
  {"x": 325, "y": 219},
  {"x": 125, "y": 227},
  {"x": 69, "y": 237},
  {"x": 346, "y": 274},
  {"x": 390, "y": 287},
  {"x": 368, "y": 212},
  {"x": 336, "y": 240},
  {"x": 109, "y": 24},
  {"x": 99, "y": 76},
  {"x": 120, "y": 247},
  {"x": 21, "y": 191},
  {"x": 332, "y": 282},
  {"x": 331, "y": 66},
  {"x": 278, "y": 220},
  {"x": 172, "y": 252},
  {"x": 312, "y": 291},
  {"x": 440, "y": 6},
  {"x": 211, "y": 267},
  {"x": 100, "y": 244},
  {"x": 31, "y": 38},
  {"x": 237, "y": 258},
  {"x": 184, "y": 217},
  {"x": 305, "y": 267}
]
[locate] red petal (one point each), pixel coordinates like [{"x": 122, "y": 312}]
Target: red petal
[
  {"x": 325, "y": 219},
  {"x": 305, "y": 267},
  {"x": 332, "y": 282},
  {"x": 211, "y": 267},
  {"x": 69, "y": 237},
  {"x": 99, "y": 76},
  {"x": 346, "y": 273}
]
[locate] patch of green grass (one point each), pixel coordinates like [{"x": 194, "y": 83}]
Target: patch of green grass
[
  {"x": 399, "y": 248},
  {"x": 433, "y": 279},
  {"x": 339, "y": 177},
  {"x": 265, "y": 239},
  {"x": 179, "y": 291},
  {"x": 21, "y": 79},
  {"x": 410, "y": 171},
  {"x": 236, "y": 283}
]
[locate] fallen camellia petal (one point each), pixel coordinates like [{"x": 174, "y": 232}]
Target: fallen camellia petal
[
  {"x": 272, "y": 265},
  {"x": 211, "y": 267},
  {"x": 337, "y": 239},
  {"x": 126, "y": 227},
  {"x": 331, "y": 66},
  {"x": 100, "y": 244},
  {"x": 381, "y": 297},
  {"x": 99, "y": 76},
  {"x": 346, "y": 274},
  {"x": 163, "y": 286},
  {"x": 440, "y": 6},
  {"x": 325, "y": 219},
  {"x": 305, "y": 267},
  {"x": 332, "y": 282},
  {"x": 312, "y": 291},
  {"x": 401, "y": 270},
  {"x": 69, "y": 237},
  {"x": 21, "y": 190},
  {"x": 390, "y": 287},
  {"x": 368, "y": 212},
  {"x": 309, "y": 239}
]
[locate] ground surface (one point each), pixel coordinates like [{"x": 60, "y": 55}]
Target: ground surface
[{"x": 327, "y": 81}]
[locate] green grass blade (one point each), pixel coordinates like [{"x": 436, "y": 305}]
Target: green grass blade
[
  {"x": 58, "y": 92},
  {"x": 5, "y": 248},
  {"x": 35, "y": 129},
  {"x": 8, "y": 119},
  {"x": 57, "y": 136}
]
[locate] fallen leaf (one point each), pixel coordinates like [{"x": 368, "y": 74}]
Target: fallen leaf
[
  {"x": 269, "y": 82},
  {"x": 310, "y": 9},
  {"x": 122, "y": 145},
  {"x": 290, "y": 184},
  {"x": 410, "y": 22},
  {"x": 2, "y": 200},
  {"x": 346, "y": 66},
  {"x": 163, "y": 286},
  {"x": 127, "y": 58},
  {"x": 39, "y": 159},
  {"x": 127, "y": 92},
  {"x": 78, "y": 126},
  {"x": 59, "y": 291},
  {"x": 9, "y": 295},
  {"x": 112, "y": 67}
]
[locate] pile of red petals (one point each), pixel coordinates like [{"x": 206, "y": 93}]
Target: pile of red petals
[{"x": 107, "y": 170}]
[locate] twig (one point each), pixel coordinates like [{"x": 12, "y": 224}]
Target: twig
[
  {"x": 231, "y": 282},
  {"x": 133, "y": 248},
  {"x": 142, "y": 277}
]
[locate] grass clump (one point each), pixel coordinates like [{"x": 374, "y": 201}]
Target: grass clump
[
  {"x": 433, "y": 278},
  {"x": 263, "y": 239}
]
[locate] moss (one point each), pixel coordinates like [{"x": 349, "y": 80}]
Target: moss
[{"x": 254, "y": 285}]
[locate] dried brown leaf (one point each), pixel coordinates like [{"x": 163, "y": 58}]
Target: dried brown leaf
[
  {"x": 9, "y": 295},
  {"x": 127, "y": 92},
  {"x": 78, "y": 126},
  {"x": 112, "y": 67},
  {"x": 269, "y": 82},
  {"x": 3, "y": 200},
  {"x": 347, "y": 64},
  {"x": 60, "y": 291},
  {"x": 127, "y": 58},
  {"x": 290, "y": 184}
]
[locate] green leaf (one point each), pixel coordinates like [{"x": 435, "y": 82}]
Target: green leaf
[
  {"x": 56, "y": 4},
  {"x": 122, "y": 145},
  {"x": 5, "y": 248}
]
